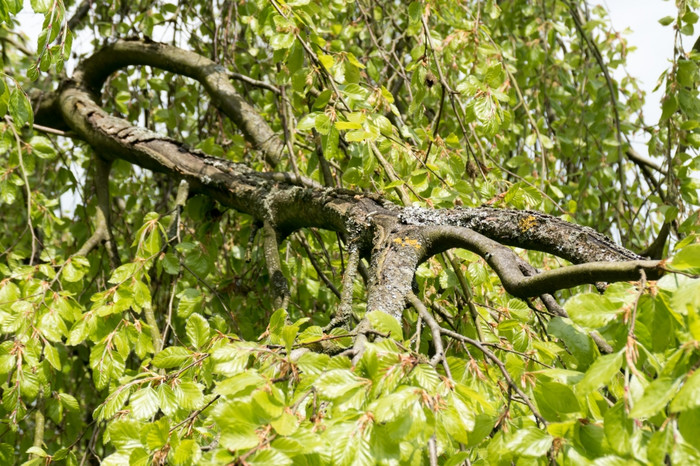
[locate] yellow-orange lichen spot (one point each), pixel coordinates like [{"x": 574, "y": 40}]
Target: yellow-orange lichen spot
[
  {"x": 526, "y": 223},
  {"x": 407, "y": 242}
]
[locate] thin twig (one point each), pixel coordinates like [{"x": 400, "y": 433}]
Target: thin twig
[
  {"x": 501, "y": 367},
  {"x": 28, "y": 189}
]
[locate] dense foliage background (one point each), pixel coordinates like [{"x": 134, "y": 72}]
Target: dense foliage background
[{"x": 166, "y": 344}]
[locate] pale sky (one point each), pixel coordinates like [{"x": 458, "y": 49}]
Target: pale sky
[{"x": 654, "y": 44}]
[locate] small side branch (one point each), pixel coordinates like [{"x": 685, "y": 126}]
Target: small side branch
[
  {"x": 575, "y": 275},
  {"x": 215, "y": 79},
  {"x": 103, "y": 230},
  {"x": 39, "y": 423},
  {"x": 342, "y": 317},
  {"x": 435, "y": 331},
  {"x": 280, "y": 287}
]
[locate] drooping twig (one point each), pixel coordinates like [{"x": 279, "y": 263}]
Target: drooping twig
[
  {"x": 576, "y": 16},
  {"x": 317, "y": 266},
  {"x": 501, "y": 367},
  {"x": 432, "y": 450},
  {"x": 446, "y": 86},
  {"x": 466, "y": 289},
  {"x": 253, "y": 82},
  {"x": 28, "y": 191}
]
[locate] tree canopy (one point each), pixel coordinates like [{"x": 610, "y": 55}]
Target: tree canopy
[{"x": 334, "y": 232}]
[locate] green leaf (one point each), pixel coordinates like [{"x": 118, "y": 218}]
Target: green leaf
[
  {"x": 326, "y": 60},
  {"x": 341, "y": 125},
  {"x": 591, "y": 310},
  {"x": 168, "y": 400},
  {"x": 240, "y": 438},
  {"x": 42, "y": 148},
  {"x": 666, "y": 20},
  {"x": 689, "y": 395},
  {"x": 282, "y": 41},
  {"x": 187, "y": 452},
  {"x": 337, "y": 382},
  {"x": 268, "y": 457},
  {"x": 277, "y": 323},
  {"x": 69, "y": 402},
  {"x": 157, "y": 433},
  {"x": 124, "y": 272},
  {"x": 556, "y": 400},
  {"x": 37, "y": 451},
  {"x": 190, "y": 300},
  {"x": 51, "y": 355},
  {"x": 189, "y": 394},
  {"x": 383, "y": 322},
  {"x": 656, "y": 395},
  {"x": 322, "y": 123},
  {"x": 268, "y": 403},
  {"x": 600, "y": 373},
  {"x": 530, "y": 442},
  {"x": 20, "y": 108},
  {"x": 171, "y": 264},
  {"x": 114, "y": 403},
  {"x": 577, "y": 342},
  {"x": 230, "y": 359},
  {"x": 495, "y": 75},
  {"x": 687, "y": 259},
  {"x": 307, "y": 121},
  {"x": 197, "y": 330},
  {"x": 238, "y": 383},
  {"x": 286, "y": 424},
  {"x": 144, "y": 403},
  {"x": 618, "y": 429},
  {"x": 172, "y": 356},
  {"x": 354, "y": 136},
  {"x": 689, "y": 427}
]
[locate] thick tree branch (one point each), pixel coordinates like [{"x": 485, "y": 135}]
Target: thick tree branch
[
  {"x": 397, "y": 239},
  {"x": 528, "y": 230}
]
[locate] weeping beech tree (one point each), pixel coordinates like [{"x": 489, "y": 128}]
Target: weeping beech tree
[{"x": 345, "y": 233}]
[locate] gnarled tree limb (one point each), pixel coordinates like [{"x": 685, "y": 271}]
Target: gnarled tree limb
[{"x": 396, "y": 239}]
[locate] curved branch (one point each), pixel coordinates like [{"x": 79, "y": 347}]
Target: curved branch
[
  {"x": 94, "y": 71},
  {"x": 514, "y": 278}
]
